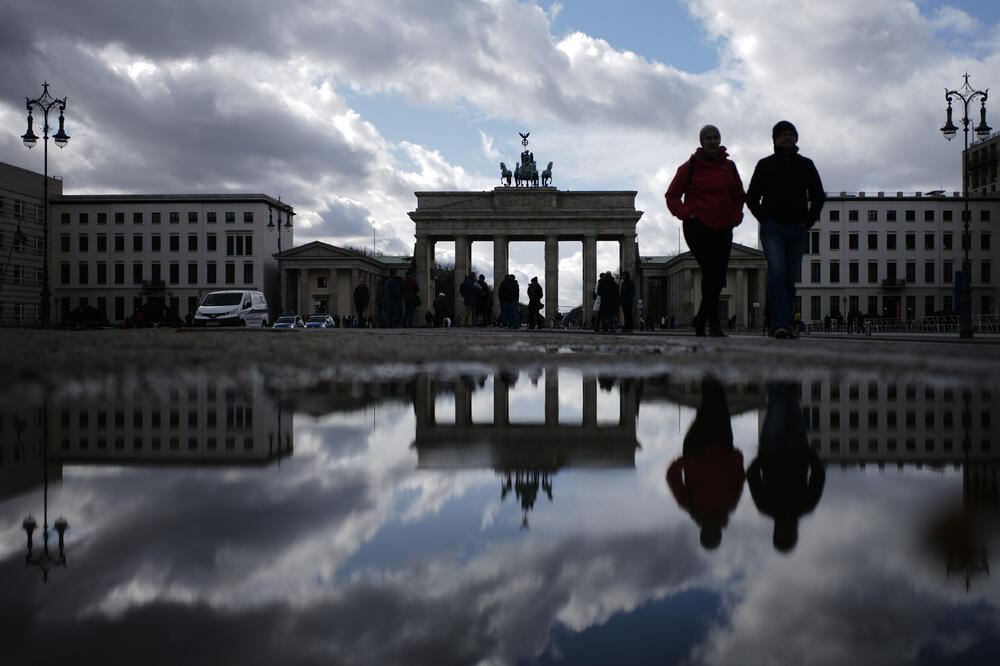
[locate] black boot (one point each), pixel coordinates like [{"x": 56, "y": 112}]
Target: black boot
[
  {"x": 714, "y": 329},
  {"x": 699, "y": 324}
]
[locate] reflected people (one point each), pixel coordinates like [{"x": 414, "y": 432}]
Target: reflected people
[
  {"x": 786, "y": 479},
  {"x": 707, "y": 480}
]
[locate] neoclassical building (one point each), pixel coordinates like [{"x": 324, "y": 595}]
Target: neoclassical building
[{"x": 671, "y": 287}]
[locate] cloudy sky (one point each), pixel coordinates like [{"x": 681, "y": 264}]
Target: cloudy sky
[{"x": 344, "y": 108}]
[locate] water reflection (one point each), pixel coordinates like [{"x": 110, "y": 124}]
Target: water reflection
[{"x": 382, "y": 537}]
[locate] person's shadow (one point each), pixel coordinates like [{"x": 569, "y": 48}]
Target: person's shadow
[
  {"x": 707, "y": 480},
  {"x": 786, "y": 478}
]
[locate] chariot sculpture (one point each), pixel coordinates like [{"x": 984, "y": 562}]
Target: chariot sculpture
[{"x": 526, "y": 172}]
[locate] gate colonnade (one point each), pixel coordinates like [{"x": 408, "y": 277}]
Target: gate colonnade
[{"x": 524, "y": 214}]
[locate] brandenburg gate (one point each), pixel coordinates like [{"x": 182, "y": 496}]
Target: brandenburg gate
[{"x": 508, "y": 214}]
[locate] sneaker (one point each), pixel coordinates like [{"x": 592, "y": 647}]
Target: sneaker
[{"x": 781, "y": 333}]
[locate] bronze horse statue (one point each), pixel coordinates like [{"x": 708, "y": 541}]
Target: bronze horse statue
[
  {"x": 505, "y": 175},
  {"x": 547, "y": 175},
  {"x": 527, "y": 174}
]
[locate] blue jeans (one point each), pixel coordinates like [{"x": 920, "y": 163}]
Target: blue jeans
[{"x": 783, "y": 250}]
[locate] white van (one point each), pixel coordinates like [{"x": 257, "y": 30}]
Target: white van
[{"x": 232, "y": 308}]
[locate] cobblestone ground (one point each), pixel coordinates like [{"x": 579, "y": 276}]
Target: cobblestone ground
[{"x": 42, "y": 362}]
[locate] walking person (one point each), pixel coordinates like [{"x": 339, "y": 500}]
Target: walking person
[
  {"x": 484, "y": 302},
  {"x": 361, "y": 297},
  {"x": 410, "y": 289},
  {"x": 607, "y": 289},
  {"x": 468, "y": 291},
  {"x": 786, "y": 196},
  {"x": 626, "y": 295},
  {"x": 534, "y": 304},
  {"x": 712, "y": 205}
]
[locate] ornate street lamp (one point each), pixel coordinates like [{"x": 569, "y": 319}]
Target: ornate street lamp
[
  {"x": 271, "y": 226},
  {"x": 43, "y": 559},
  {"x": 45, "y": 102},
  {"x": 967, "y": 95}
]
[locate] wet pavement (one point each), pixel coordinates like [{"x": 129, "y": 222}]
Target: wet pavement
[{"x": 484, "y": 498}]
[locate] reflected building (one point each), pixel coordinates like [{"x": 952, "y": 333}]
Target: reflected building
[
  {"x": 526, "y": 456},
  {"x": 206, "y": 422},
  {"x": 873, "y": 422}
]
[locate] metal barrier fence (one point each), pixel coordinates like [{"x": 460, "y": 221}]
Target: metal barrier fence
[{"x": 982, "y": 323}]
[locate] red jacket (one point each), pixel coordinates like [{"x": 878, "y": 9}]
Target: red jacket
[{"x": 713, "y": 192}]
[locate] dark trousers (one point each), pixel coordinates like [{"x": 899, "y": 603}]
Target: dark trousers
[{"x": 710, "y": 248}]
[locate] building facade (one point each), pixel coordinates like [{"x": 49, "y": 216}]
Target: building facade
[
  {"x": 980, "y": 164},
  {"x": 671, "y": 287},
  {"x": 117, "y": 253},
  {"x": 21, "y": 244},
  {"x": 897, "y": 255}
]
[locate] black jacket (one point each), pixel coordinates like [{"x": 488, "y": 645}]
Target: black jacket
[{"x": 786, "y": 188}]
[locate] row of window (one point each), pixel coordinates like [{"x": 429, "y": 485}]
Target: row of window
[
  {"x": 237, "y": 416},
  {"x": 237, "y": 244},
  {"x": 891, "y": 273},
  {"x": 892, "y": 307},
  {"x": 101, "y": 273},
  {"x": 873, "y": 390},
  {"x": 22, "y": 242},
  {"x": 156, "y": 443},
  {"x": 891, "y": 241},
  {"x": 211, "y": 217},
  {"x": 892, "y": 419},
  {"x": 872, "y": 215},
  {"x": 19, "y": 209},
  {"x": 892, "y": 445},
  {"x": 20, "y": 274}
]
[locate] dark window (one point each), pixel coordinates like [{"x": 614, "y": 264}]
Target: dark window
[
  {"x": 852, "y": 241},
  {"x": 84, "y": 242},
  {"x": 102, "y": 273},
  {"x": 247, "y": 273},
  {"x": 137, "y": 243},
  {"x": 154, "y": 243},
  {"x": 834, "y": 271},
  {"x": 210, "y": 272},
  {"x": 230, "y": 273},
  {"x": 872, "y": 271},
  {"x": 210, "y": 217},
  {"x": 814, "y": 271},
  {"x": 119, "y": 218},
  {"x": 814, "y": 242},
  {"x": 102, "y": 218},
  {"x": 137, "y": 218},
  {"x": 174, "y": 271},
  {"x": 137, "y": 273},
  {"x": 946, "y": 241},
  {"x": 929, "y": 272},
  {"x": 928, "y": 216},
  {"x": 911, "y": 241},
  {"x": 852, "y": 216},
  {"x": 911, "y": 215},
  {"x": 155, "y": 218},
  {"x": 175, "y": 242},
  {"x": 873, "y": 216},
  {"x": 947, "y": 273},
  {"x": 192, "y": 273},
  {"x": 192, "y": 242},
  {"x": 230, "y": 217},
  {"x": 834, "y": 215},
  {"x": 984, "y": 242},
  {"x": 890, "y": 241},
  {"x": 210, "y": 242},
  {"x": 890, "y": 216},
  {"x": 852, "y": 272},
  {"x": 248, "y": 217},
  {"x": 984, "y": 215},
  {"x": 175, "y": 218},
  {"x": 120, "y": 276},
  {"x": 928, "y": 241},
  {"x": 83, "y": 271},
  {"x": 192, "y": 218},
  {"x": 911, "y": 271},
  {"x": 65, "y": 242},
  {"x": 872, "y": 241},
  {"x": 946, "y": 215},
  {"x": 119, "y": 242},
  {"x": 84, "y": 218},
  {"x": 984, "y": 272},
  {"x": 834, "y": 240}
]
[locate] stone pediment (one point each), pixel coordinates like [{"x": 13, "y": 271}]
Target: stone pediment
[{"x": 320, "y": 250}]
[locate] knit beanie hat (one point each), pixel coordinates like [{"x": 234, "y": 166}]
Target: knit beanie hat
[{"x": 783, "y": 126}]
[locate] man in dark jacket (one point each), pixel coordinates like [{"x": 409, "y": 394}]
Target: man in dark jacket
[
  {"x": 786, "y": 196},
  {"x": 607, "y": 289},
  {"x": 627, "y": 297},
  {"x": 534, "y": 304},
  {"x": 361, "y": 297}
]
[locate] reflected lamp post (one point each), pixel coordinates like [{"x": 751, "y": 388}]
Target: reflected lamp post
[
  {"x": 43, "y": 559},
  {"x": 45, "y": 103},
  {"x": 271, "y": 226},
  {"x": 967, "y": 95}
]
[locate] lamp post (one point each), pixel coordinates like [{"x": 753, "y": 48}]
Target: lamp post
[
  {"x": 967, "y": 95},
  {"x": 271, "y": 226},
  {"x": 43, "y": 559},
  {"x": 45, "y": 102}
]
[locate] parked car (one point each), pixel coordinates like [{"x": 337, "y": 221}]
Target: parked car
[
  {"x": 320, "y": 321},
  {"x": 235, "y": 307},
  {"x": 289, "y": 321}
]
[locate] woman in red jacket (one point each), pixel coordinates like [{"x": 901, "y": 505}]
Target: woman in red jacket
[{"x": 712, "y": 205}]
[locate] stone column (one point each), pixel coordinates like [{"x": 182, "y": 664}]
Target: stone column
[
  {"x": 590, "y": 403},
  {"x": 303, "y": 296},
  {"x": 740, "y": 297},
  {"x": 334, "y": 296},
  {"x": 463, "y": 404},
  {"x": 589, "y": 276},
  {"x": 500, "y": 260},
  {"x": 501, "y": 402},
  {"x": 423, "y": 403},
  {"x": 463, "y": 252},
  {"x": 627, "y": 256},
  {"x": 551, "y": 397},
  {"x": 551, "y": 277},
  {"x": 423, "y": 256}
]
